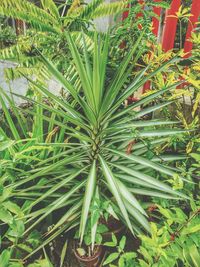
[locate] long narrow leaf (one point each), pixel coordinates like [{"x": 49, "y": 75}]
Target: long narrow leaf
[
  {"x": 89, "y": 191},
  {"x": 115, "y": 190}
]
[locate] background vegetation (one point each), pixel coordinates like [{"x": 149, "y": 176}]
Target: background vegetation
[{"x": 73, "y": 163}]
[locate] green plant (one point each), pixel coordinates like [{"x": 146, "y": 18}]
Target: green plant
[
  {"x": 126, "y": 31},
  {"x": 8, "y": 36},
  {"x": 47, "y": 17},
  {"x": 183, "y": 16},
  {"x": 174, "y": 241},
  {"x": 196, "y": 157},
  {"x": 87, "y": 248},
  {"x": 93, "y": 226},
  {"x": 124, "y": 259},
  {"x": 47, "y": 25},
  {"x": 6, "y": 261},
  {"x": 186, "y": 106},
  {"x": 76, "y": 147}
]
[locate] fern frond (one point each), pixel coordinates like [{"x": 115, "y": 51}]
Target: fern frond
[
  {"x": 16, "y": 72},
  {"x": 51, "y": 7},
  {"x": 38, "y": 18},
  {"x": 15, "y": 52},
  {"x": 108, "y": 9},
  {"x": 87, "y": 12},
  {"x": 78, "y": 39},
  {"x": 30, "y": 8},
  {"x": 73, "y": 8}
]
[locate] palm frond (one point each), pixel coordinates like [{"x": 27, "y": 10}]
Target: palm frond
[
  {"x": 106, "y": 9},
  {"x": 38, "y": 18}
]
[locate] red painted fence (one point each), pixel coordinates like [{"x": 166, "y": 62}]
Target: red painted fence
[
  {"x": 195, "y": 13},
  {"x": 155, "y": 21}
]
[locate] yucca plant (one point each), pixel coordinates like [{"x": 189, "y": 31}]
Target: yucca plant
[{"x": 77, "y": 151}]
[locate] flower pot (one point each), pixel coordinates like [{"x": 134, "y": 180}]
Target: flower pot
[{"x": 90, "y": 261}]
